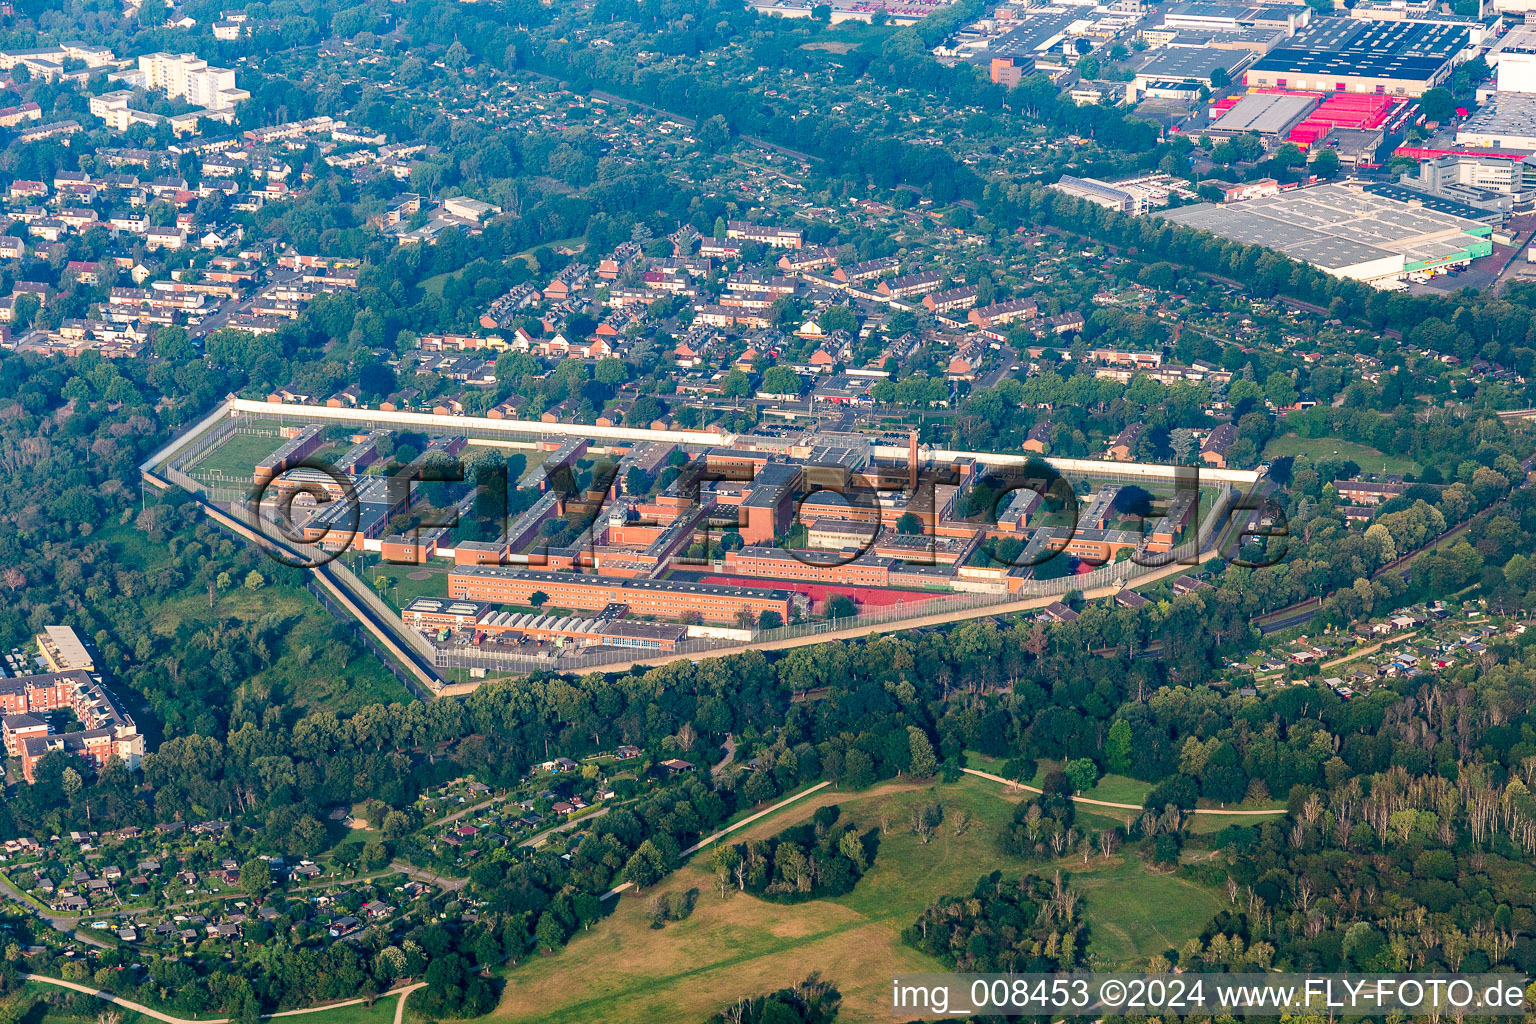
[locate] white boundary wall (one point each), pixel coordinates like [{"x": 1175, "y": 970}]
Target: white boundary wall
[{"x": 485, "y": 425}]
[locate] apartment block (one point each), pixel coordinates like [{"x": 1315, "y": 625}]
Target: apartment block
[{"x": 189, "y": 77}]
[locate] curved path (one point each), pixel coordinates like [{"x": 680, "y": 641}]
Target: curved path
[
  {"x": 743, "y": 823},
  {"x": 129, "y": 1004},
  {"x": 541, "y": 838},
  {"x": 1119, "y": 807},
  {"x": 58, "y": 922},
  {"x": 405, "y": 994}
]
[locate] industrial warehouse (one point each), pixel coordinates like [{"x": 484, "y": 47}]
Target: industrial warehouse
[
  {"x": 1348, "y": 230},
  {"x": 1387, "y": 58},
  {"x": 1507, "y": 121}
]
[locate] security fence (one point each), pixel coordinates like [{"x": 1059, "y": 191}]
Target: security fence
[
  {"x": 181, "y": 470},
  {"x": 490, "y": 659}
]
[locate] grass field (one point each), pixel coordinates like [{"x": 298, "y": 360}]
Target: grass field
[
  {"x": 237, "y": 455},
  {"x": 851, "y": 32},
  {"x": 622, "y": 971},
  {"x": 381, "y": 1012},
  {"x": 1368, "y": 459},
  {"x": 1136, "y": 912},
  {"x": 1120, "y": 790},
  {"x": 404, "y": 589},
  {"x": 434, "y": 285}
]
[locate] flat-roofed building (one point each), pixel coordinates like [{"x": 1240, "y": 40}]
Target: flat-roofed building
[
  {"x": 1205, "y": 14},
  {"x": 669, "y": 599},
  {"x": 645, "y": 636},
  {"x": 1133, "y": 195},
  {"x": 435, "y": 612},
  {"x": 1388, "y": 58},
  {"x": 1347, "y": 229},
  {"x": 1269, "y": 115},
  {"x": 838, "y": 534},
  {"x": 1188, "y": 66},
  {"x": 776, "y": 563},
  {"x": 64, "y": 651},
  {"x": 1506, "y": 121},
  {"x": 1483, "y": 183}
]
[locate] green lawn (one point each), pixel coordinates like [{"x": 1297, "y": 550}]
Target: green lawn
[
  {"x": 434, "y": 285},
  {"x": 236, "y": 456},
  {"x": 1120, "y": 789},
  {"x": 857, "y": 33},
  {"x": 623, "y": 971},
  {"x": 1117, "y": 789},
  {"x": 381, "y": 1012},
  {"x": 399, "y": 589},
  {"x": 1368, "y": 459},
  {"x": 1135, "y": 912}
]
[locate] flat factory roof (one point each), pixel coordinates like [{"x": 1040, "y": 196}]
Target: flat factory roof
[
  {"x": 1511, "y": 114},
  {"x": 1342, "y": 48},
  {"x": 1334, "y": 226},
  {"x": 1265, "y": 113},
  {"x": 1180, "y": 62}
]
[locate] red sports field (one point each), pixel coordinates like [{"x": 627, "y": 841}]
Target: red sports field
[{"x": 871, "y": 597}]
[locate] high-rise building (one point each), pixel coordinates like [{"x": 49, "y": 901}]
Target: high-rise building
[{"x": 185, "y": 76}]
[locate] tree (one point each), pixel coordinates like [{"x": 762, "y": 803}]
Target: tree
[
  {"x": 537, "y": 598},
  {"x": 1280, "y": 389},
  {"x": 256, "y": 876},
  {"x": 610, "y": 371},
  {"x": 1326, "y": 163},
  {"x": 1117, "y": 747},
  {"x": 376, "y": 381},
  {"x": 781, "y": 380},
  {"x": 840, "y": 607},
  {"x": 548, "y": 933},
  {"x": 736, "y": 384},
  {"x": 1437, "y": 105},
  {"x": 1220, "y": 79},
  {"x": 770, "y": 620},
  {"x": 909, "y": 523},
  {"x": 923, "y": 761},
  {"x": 900, "y": 322},
  {"x": 838, "y": 318},
  {"x": 759, "y": 788},
  {"x": 645, "y": 866},
  {"x": 173, "y": 345},
  {"x": 1082, "y": 773},
  {"x": 858, "y": 770},
  {"x": 254, "y": 581}
]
